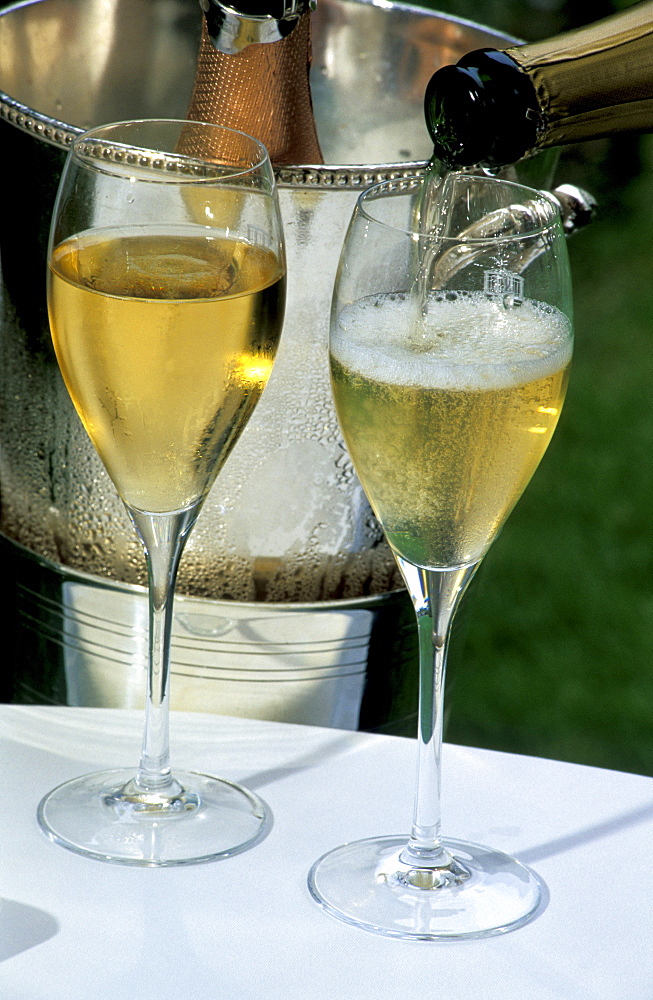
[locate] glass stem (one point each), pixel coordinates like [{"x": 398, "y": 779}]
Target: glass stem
[
  {"x": 164, "y": 537},
  {"x": 435, "y": 595}
]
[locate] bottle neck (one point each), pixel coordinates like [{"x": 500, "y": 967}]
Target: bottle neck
[
  {"x": 593, "y": 81},
  {"x": 493, "y": 107},
  {"x": 234, "y": 26},
  {"x": 482, "y": 110},
  {"x": 263, "y": 90}
]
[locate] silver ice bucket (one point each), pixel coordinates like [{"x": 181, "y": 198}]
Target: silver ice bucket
[{"x": 289, "y": 603}]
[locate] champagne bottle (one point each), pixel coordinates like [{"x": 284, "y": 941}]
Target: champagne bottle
[
  {"x": 493, "y": 107},
  {"x": 253, "y": 74}
]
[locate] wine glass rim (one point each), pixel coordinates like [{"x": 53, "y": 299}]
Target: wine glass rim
[
  {"x": 114, "y": 156},
  {"x": 396, "y": 187}
]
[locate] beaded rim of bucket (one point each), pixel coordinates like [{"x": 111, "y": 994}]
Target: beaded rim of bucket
[{"x": 318, "y": 177}]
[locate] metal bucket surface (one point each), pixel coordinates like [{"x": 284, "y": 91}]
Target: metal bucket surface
[{"x": 287, "y": 523}]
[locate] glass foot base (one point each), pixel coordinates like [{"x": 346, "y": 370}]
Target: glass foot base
[
  {"x": 102, "y": 816},
  {"x": 366, "y": 884}
]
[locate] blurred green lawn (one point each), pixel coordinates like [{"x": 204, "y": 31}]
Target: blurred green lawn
[{"x": 554, "y": 656}]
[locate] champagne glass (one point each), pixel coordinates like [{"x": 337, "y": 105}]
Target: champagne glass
[
  {"x": 450, "y": 345},
  {"x": 166, "y": 294}
]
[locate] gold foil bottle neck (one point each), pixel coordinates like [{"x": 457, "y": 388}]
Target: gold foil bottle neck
[{"x": 596, "y": 80}]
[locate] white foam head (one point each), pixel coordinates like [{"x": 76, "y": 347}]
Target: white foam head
[{"x": 463, "y": 341}]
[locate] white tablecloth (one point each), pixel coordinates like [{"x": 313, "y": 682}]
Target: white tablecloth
[{"x": 246, "y": 927}]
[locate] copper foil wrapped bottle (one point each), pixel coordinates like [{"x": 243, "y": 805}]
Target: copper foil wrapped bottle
[{"x": 253, "y": 75}]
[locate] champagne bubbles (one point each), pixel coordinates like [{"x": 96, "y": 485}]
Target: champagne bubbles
[{"x": 461, "y": 340}]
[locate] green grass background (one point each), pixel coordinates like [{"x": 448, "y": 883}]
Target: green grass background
[{"x": 554, "y": 654}]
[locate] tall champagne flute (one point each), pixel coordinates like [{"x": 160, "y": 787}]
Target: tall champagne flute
[
  {"x": 166, "y": 294},
  {"x": 451, "y": 338}
]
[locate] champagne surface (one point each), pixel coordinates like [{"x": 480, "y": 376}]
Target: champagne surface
[
  {"x": 165, "y": 340},
  {"x": 447, "y": 415}
]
